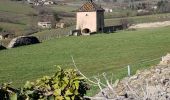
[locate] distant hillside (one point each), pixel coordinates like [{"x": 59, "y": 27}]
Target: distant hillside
[{"x": 16, "y": 16}]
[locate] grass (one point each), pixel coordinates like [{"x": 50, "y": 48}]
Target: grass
[
  {"x": 118, "y": 13},
  {"x": 109, "y": 53},
  {"x": 63, "y": 8},
  {"x": 140, "y": 19},
  {"x": 12, "y": 27},
  {"x": 16, "y": 16},
  {"x": 49, "y": 34},
  {"x": 53, "y": 33},
  {"x": 13, "y": 7}
]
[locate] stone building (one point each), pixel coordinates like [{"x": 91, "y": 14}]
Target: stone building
[
  {"x": 44, "y": 24},
  {"x": 46, "y": 21},
  {"x": 90, "y": 18}
]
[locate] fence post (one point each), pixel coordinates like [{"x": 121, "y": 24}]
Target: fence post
[
  {"x": 162, "y": 58},
  {"x": 129, "y": 70}
]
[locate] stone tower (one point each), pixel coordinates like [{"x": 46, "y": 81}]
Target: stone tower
[{"x": 90, "y": 18}]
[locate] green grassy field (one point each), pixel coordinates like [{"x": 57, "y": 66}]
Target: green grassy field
[
  {"x": 16, "y": 11},
  {"x": 109, "y": 53},
  {"x": 63, "y": 8},
  {"x": 53, "y": 33},
  {"x": 49, "y": 34},
  {"x": 16, "y": 16},
  {"x": 12, "y": 26},
  {"x": 13, "y": 7},
  {"x": 140, "y": 19},
  {"x": 118, "y": 13}
]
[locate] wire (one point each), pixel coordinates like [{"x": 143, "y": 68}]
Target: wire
[{"x": 125, "y": 66}]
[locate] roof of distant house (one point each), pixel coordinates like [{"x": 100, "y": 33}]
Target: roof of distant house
[{"x": 90, "y": 6}]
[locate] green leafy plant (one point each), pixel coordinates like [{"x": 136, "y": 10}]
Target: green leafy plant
[
  {"x": 64, "y": 85},
  {"x": 8, "y": 93}
]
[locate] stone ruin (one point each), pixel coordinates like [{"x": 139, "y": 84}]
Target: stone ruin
[
  {"x": 165, "y": 60},
  {"x": 148, "y": 84},
  {"x": 23, "y": 40}
]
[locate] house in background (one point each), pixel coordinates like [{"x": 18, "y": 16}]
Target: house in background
[
  {"x": 35, "y": 2},
  {"x": 44, "y": 24},
  {"x": 60, "y": 25},
  {"x": 108, "y": 10},
  {"x": 41, "y": 2},
  {"x": 47, "y": 2},
  {"x": 90, "y": 18},
  {"x": 45, "y": 21}
]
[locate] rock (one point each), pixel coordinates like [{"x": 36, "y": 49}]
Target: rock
[
  {"x": 23, "y": 40},
  {"x": 60, "y": 25},
  {"x": 165, "y": 60},
  {"x": 2, "y": 47},
  {"x": 148, "y": 84}
]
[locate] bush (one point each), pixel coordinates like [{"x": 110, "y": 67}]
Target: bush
[
  {"x": 126, "y": 23},
  {"x": 64, "y": 85},
  {"x": 1, "y": 29}
]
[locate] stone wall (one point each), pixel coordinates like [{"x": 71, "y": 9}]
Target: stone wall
[
  {"x": 149, "y": 84},
  {"x": 23, "y": 40},
  {"x": 87, "y": 20}
]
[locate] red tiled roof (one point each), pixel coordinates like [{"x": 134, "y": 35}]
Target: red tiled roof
[{"x": 89, "y": 7}]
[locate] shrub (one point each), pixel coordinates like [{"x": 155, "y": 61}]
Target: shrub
[
  {"x": 64, "y": 85},
  {"x": 126, "y": 23},
  {"x": 1, "y": 29}
]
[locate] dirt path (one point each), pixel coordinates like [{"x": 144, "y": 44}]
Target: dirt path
[{"x": 151, "y": 25}]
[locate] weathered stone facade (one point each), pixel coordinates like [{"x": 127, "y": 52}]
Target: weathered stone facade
[{"x": 90, "y": 18}]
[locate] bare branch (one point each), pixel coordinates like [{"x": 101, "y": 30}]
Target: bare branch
[{"x": 82, "y": 73}]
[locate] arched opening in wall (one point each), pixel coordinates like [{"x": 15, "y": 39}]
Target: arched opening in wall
[
  {"x": 100, "y": 29},
  {"x": 86, "y": 30}
]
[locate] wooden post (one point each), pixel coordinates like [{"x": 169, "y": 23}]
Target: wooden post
[{"x": 129, "y": 71}]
